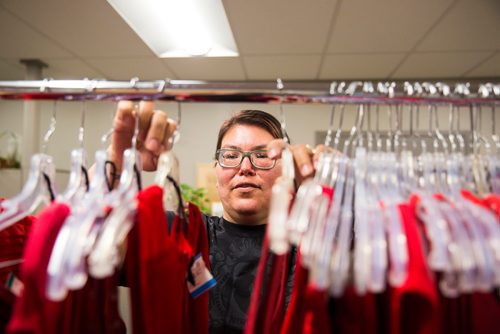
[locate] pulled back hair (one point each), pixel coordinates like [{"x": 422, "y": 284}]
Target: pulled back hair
[{"x": 257, "y": 118}]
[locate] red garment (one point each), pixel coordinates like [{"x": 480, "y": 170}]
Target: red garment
[
  {"x": 316, "y": 317},
  {"x": 13, "y": 239},
  {"x": 414, "y": 306},
  {"x": 491, "y": 201},
  {"x": 33, "y": 313},
  {"x": 7, "y": 300},
  {"x": 294, "y": 322},
  {"x": 198, "y": 239},
  {"x": 354, "y": 314},
  {"x": 157, "y": 264},
  {"x": 93, "y": 309},
  {"x": 267, "y": 307}
]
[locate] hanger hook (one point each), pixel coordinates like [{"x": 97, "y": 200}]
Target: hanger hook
[
  {"x": 107, "y": 134},
  {"x": 328, "y": 138},
  {"x": 177, "y": 132},
  {"x": 51, "y": 130},
  {"x": 280, "y": 86},
  {"x": 81, "y": 130},
  {"x": 136, "y": 129}
]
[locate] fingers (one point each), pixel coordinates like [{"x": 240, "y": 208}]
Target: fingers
[
  {"x": 302, "y": 155},
  {"x": 156, "y": 132},
  {"x": 275, "y": 147},
  {"x": 123, "y": 130},
  {"x": 169, "y": 131}
]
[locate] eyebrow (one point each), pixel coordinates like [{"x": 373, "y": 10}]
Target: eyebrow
[{"x": 255, "y": 148}]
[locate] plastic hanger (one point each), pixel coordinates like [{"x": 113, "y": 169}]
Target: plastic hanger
[
  {"x": 340, "y": 259},
  {"x": 84, "y": 212},
  {"x": 389, "y": 197},
  {"x": 325, "y": 244},
  {"x": 167, "y": 163},
  {"x": 103, "y": 249},
  {"x": 281, "y": 193},
  {"x": 39, "y": 188},
  {"x": 78, "y": 183},
  {"x": 310, "y": 203}
]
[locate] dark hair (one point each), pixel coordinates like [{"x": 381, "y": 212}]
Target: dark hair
[{"x": 257, "y": 118}]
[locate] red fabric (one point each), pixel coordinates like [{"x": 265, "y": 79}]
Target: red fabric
[
  {"x": 354, "y": 314},
  {"x": 493, "y": 202},
  {"x": 414, "y": 306},
  {"x": 293, "y": 322},
  {"x": 198, "y": 240},
  {"x": 33, "y": 313},
  {"x": 13, "y": 240},
  {"x": 254, "y": 324},
  {"x": 267, "y": 306},
  {"x": 93, "y": 309},
  {"x": 7, "y": 300},
  {"x": 316, "y": 317},
  {"x": 157, "y": 264}
]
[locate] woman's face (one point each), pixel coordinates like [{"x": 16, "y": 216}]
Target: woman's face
[{"x": 245, "y": 191}]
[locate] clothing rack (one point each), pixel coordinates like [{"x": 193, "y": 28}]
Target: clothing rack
[{"x": 460, "y": 93}]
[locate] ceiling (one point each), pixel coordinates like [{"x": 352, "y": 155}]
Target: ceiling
[{"x": 292, "y": 39}]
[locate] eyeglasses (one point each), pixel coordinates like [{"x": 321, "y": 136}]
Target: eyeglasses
[{"x": 232, "y": 158}]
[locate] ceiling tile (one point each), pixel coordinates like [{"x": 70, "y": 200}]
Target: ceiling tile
[
  {"x": 227, "y": 68},
  {"x": 359, "y": 66},
  {"x": 383, "y": 26},
  {"x": 439, "y": 65},
  {"x": 263, "y": 27},
  {"x": 69, "y": 69},
  {"x": 300, "y": 67},
  {"x": 86, "y": 28},
  {"x": 145, "y": 68},
  {"x": 9, "y": 71},
  {"x": 469, "y": 26},
  {"x": 18, "y": 40},
  {"x": 490, "y": 68}
]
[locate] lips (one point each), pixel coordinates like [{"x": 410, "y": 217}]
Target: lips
[{"x": 246, "y": 185}]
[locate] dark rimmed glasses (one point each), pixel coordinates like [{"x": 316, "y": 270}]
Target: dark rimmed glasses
[{"x": 232, "y": 158}]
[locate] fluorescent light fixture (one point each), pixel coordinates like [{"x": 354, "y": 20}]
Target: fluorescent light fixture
[{"x": 180, "y": 28}]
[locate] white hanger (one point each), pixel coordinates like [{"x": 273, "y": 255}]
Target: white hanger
[
  {"x": 167, "y": 163},
  {"x": 103, "y": 250},
  {"x": 78, "y": 182},
  {"x": 281, "y": 193},
  {"x": 39, "y": 188},
  {"x": 85, "y": 211}
]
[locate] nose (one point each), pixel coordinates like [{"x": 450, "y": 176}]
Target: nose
[{"x": 246, "y": 166}]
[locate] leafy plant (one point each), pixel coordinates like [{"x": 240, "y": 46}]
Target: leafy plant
[
  {"x": 197, "y": 196},
  {"x": 10, "y": 160}
]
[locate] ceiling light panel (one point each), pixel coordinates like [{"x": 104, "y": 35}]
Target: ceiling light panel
[{"x": 180, "y": 28}]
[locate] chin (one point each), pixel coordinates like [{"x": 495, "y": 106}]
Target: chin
[{"x": 248, "y": 208}]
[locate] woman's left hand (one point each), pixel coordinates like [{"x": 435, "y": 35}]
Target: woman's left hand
[{"x": 304, "y": 157}]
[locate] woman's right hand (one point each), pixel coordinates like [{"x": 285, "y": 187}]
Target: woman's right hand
[{"x": 155, "y": 128}]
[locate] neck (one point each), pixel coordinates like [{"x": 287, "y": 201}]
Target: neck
[{"x": 252, "y": 219}]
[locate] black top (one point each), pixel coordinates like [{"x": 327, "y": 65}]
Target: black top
[{"x": 234, "y": 257}]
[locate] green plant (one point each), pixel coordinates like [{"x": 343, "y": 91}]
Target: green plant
[
  {"x": 11, "y": 159},
  {"x": 197, "y": 196}
]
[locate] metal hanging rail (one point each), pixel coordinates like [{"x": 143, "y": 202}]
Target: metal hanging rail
[{"x": 257, "y": 91}]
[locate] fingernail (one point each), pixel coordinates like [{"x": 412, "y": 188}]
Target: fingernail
[
  {"x": 306, "y": 169},
  {"x": 153, "y": 144}
]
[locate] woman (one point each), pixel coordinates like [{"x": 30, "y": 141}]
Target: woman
[{"x": 247, "y": 156}]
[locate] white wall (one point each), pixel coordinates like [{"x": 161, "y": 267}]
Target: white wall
[{"x": 200, "y": 124}]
